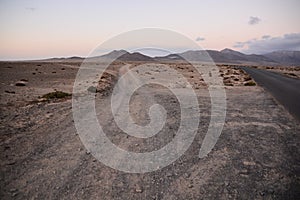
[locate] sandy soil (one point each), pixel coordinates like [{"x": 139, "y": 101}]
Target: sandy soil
[{"x": 42, "y": 157}]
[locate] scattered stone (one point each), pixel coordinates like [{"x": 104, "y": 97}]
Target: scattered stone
[
  {"x": 14, "y": 194},
  {"x": 186, "y": 175},
  {"x": 138, "y": 189},
  {"x": 49, "y": 115},
  {"x": 10, "y": 92},
  {"x": 262, "y": 193},
  {"x": 11, "y": 163},
  {"x": 226, "y": 183},
  {"x": 271, "y": 191},
  {"x": 20, "y": 83},
  {"x": 13, "y": 190},
  {"x": 248, "y": 163},
  {"x": 92, "y": 89}
]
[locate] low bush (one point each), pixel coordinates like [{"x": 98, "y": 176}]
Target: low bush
[
  {"x": 56, "y": 95},
  {"x": 250, "y": 83}
]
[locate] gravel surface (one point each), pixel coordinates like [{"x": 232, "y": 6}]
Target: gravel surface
[{"x": 42, "y": 157}]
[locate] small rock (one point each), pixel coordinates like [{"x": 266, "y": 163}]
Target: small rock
[
  {"x": 14, "y": 194},
  {"x": 262, "y": 193},
  {"x": 13, "y": 190},
  {"x": 248, "y": 163},
  {"x": 226, "y": 183},
  {"x": 92, "y": 89},
  {"x": 271, "y": 191},
  {"x": 168, "y": 174},
  {"x": 186, "y": 175},
  {"x": 138, "y": 189},
  {"x": 20, "y": 83},
  {"x": 10, "y": 92},
  {"x": 11, "y": 163}
]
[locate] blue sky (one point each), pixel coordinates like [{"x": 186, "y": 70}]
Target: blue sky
[{"x": 50, "y": 28}]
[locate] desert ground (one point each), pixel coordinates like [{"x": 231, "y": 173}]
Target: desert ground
[{"x": 42, "y": 156}]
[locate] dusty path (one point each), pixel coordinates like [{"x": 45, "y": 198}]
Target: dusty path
[
  {"x": 286, "y": 90},
  {"x": 256, "y": 156}
]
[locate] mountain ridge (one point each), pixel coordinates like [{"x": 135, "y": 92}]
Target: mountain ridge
[{"x": 225, "y": 56}]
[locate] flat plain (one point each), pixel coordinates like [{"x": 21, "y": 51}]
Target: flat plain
[{"x": 42, "y": 157}]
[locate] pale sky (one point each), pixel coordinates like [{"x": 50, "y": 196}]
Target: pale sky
[{"x": 52, "y": 28}]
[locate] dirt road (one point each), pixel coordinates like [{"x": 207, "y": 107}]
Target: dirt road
[{"x": 42, "y": 157}]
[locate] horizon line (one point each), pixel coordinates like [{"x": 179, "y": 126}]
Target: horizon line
[{"x": 84, "y": 57}]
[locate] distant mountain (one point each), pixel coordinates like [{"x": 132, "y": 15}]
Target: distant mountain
[
  {"x": 234, "y": 57},
  {"x": 122, "y": 55},
  {"x": 135, "y": 57},
  {"x": 285, "y": 57},
  {"x": 75, "y": 58},
  {"x": 240, "y": 57},
  {"x": 188, "y": 55},
  {"x": 226, "y": 56},
  {"x": 114, "y": 54}
]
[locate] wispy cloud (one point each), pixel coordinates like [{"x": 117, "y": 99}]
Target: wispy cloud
[
  {"x": 268, "y": 44},
  {"x": 239, "y": 45},
  {"x": 198, "y": 39},
  {"x": 266, "y": 37},
  {"x": 253, "y": 20}
]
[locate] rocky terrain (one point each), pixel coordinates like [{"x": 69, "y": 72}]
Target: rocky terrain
[{"x": 42, "y": 156}]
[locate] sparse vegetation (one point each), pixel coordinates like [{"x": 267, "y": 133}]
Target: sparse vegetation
[
  {"x": 56, "y": 95},
  {"x": 247, "y": 78},
  {"x": 250, "y": 83},
  {"x": 291, "y": 74}
]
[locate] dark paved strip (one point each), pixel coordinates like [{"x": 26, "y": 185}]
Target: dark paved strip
[{"x": 286, "y": 90}]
